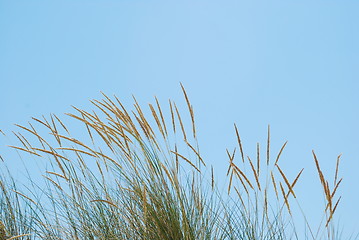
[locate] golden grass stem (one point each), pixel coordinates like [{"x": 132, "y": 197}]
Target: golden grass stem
[
  {"x": 280, "y": 152},
  {"x": 239, "y": 142}
]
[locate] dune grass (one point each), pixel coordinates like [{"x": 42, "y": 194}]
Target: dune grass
[{"x": 139, "y": 174}]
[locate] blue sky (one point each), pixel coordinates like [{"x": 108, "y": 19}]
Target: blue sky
[{"x": 291, "y": 64}]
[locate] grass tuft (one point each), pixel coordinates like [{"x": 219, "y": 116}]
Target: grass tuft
[{"x": 127, "y": 176}]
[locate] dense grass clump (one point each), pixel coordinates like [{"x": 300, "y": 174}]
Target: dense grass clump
[{"x": 127, "y": 176}]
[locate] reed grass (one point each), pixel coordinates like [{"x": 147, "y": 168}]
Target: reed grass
[{"x": 135, "y": 174}]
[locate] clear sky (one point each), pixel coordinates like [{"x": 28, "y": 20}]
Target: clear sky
[{"x": 291, "y": 64}]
